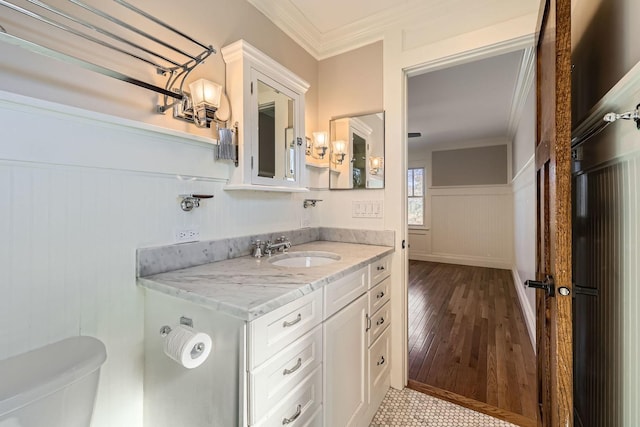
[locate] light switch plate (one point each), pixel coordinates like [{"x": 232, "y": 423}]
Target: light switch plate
[{"x": 367, "y": 208}]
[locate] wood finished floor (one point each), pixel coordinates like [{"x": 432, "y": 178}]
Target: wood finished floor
[{"x": 467, "y": 336}]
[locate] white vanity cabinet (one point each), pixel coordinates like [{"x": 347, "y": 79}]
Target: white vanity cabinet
[
  {"x": 356, "y": 345},
  {"x": 285, "y": 364},
  {"x": 379, "y": 334},
  {"x": 321, "y": 360}
]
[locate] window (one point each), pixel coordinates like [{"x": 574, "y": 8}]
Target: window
[{"x": 415, "y": 193}]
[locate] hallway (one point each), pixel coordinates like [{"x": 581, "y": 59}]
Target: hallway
[{"x": 468, "y": 341}]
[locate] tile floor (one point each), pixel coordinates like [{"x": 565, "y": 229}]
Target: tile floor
[{"x": 409, "y": 408}]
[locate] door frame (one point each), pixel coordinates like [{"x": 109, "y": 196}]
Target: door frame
[{"x": 520, "y": 43}]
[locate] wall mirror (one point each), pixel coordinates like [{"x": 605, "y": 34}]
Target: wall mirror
[
  {"x": 277, "y": 153},
  {"x": 356, "y": 152}
]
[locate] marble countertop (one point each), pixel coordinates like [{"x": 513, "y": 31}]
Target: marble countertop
[{"x": 248, "y": 287}]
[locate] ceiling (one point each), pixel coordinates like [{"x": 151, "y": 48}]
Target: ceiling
[
  {"x": 469, "y": 102},
  {"x": 329, "y": 27}
]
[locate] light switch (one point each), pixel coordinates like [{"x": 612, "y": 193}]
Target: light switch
[{"x": 367, "y": 208}]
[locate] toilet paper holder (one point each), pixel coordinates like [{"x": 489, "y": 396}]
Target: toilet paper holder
[
  {"x": 186, "y": 321},
  {"x": 164, "y": 331}
]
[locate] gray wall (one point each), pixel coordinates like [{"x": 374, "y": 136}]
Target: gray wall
[{"x": 470, "y": 166}]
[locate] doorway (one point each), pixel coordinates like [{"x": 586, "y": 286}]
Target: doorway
[{"x": 468, "y": 337}]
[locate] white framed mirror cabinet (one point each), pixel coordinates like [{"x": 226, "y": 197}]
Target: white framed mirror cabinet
[{"x": 267, "y": 101}]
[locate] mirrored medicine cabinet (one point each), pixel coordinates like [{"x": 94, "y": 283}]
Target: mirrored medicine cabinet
[
  {"x": 356, "y": 152},
  {"x": 267, "y": 100}
]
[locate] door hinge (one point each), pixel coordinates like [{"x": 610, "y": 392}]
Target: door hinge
[
  {"x": 577, "y": 154},
  {"x": 251, "y": 162},
  {"x": 251, "y": 88}
]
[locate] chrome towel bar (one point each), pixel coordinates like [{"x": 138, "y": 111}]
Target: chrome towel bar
[{"x": 175, "y": 69}]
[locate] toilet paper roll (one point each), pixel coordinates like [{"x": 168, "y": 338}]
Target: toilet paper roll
[{"x": 187, "y": 347}]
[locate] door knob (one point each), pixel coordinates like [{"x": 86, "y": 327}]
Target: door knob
[{"x": 548, "y": 285}]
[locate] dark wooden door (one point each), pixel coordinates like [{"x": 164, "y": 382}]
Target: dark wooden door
[{"x": 553, "y": 243}]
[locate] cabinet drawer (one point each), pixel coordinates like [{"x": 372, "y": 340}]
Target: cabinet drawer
[
  {"x": 379, "y": 322},
  {"x": 316, "y": 419},
  {"x": 279, "y": 328},
  {"x": 379, "y": 295},
  {"x": 341, "y": 292},
  {"x": 379, "y": 354},
  {"x": 298, "y": 408},
  {"x": 275, "y": 378},
  {"x": 380, "y": 270}
]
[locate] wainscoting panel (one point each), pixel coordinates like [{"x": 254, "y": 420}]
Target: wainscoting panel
[
  {"x": 606, "y": 258},
  {"x": 419, "y": 244},
  {"x": 472, "y": 226},
  {"x": 71, "y": 223},
  {"x": 524, "y": 238}
]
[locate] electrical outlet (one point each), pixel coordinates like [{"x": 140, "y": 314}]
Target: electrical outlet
[{"x": 188, "y": 235}]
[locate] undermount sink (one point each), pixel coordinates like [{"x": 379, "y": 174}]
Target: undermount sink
[{"x": 305, "y": 259}]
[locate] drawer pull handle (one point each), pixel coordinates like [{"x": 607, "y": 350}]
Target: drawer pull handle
[
  {"x": 292, "y": 418},
  {"x": 380, "y": 268},
  {"x": 380, "y": 321},
  {"x": 381, "y": 361},
  {"x": 380, "y": 294},
  {"x": 295, "y": 368},
  {"x": 287, "y": 324}
]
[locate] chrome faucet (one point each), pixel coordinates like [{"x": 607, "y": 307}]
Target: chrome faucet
[
  {"x": 257, "y": 249},
  {"x": 281, "y": 244}
]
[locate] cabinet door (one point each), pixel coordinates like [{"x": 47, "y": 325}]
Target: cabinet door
[
  {"x": 345, "y": 356},
  {"x": 277, "y": 124}
]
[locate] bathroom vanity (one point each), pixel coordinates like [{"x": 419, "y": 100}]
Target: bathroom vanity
[{"x": 297, "y": 346}]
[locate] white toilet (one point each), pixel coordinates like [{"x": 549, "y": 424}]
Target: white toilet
[{"x": 53, "y": 386}]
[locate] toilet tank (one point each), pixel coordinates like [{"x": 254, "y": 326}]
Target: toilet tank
[{"x": 52, "y": 386}]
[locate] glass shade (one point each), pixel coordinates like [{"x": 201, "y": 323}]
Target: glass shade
[
  {"x": 320, "y": 139},
  {"x": 339, "y": 147},
  {"x": 205, "y": 94},
  {"x": 376, "y": 164}
]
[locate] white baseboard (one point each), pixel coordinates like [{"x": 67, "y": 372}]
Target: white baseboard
[
  {"x": 462, "y": 260},
  {"x": 529, "y": 315}
]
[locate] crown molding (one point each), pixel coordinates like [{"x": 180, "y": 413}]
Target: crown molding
[
  {"x": 322, "y": 45},
  {"x": 344, "y": 38},
  {"x": 293, "y": 23},
  {"x": 524, "y": 84}
]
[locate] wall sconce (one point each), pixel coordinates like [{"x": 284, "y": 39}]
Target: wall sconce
[
  {"x": 205, "y": 98},
  {"x": 339, "y": 153},
  {"x": 198, "y": 106},
  {"x": 319, "y": 145},
  {"x": 375, "y": 164}
]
